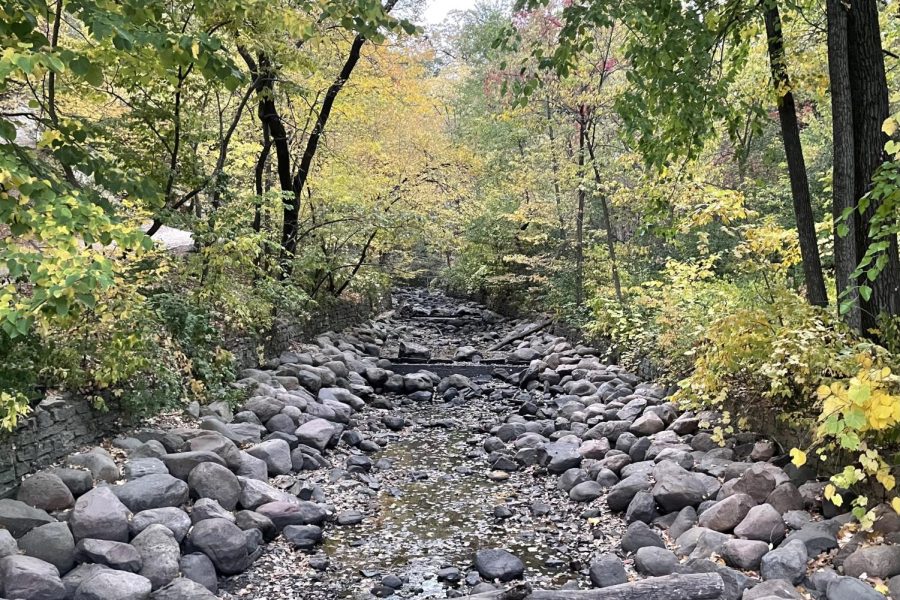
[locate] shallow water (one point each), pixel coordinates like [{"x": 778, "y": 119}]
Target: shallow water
[{"x": 437, "y": 512}]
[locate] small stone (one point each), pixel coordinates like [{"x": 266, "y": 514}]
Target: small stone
[
  {"x": 744, "y": 554},
  {"x": 655, "y": 562}
]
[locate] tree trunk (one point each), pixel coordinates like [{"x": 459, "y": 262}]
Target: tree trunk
[
  {"x": 610, "y": 235},
  {"x": 868, "y": 88},
  {"x": 843, "y": 184},
  {"x": 793, "y": 150},
  {"x": 579, "y": 216}
]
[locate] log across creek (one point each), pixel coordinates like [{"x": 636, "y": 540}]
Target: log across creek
[{"x": 699, "y": 586}]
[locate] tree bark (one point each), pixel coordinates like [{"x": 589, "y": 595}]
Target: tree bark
[
  {"x": 793, "y": 150},
  {"x": 610, "y": 235},
  {"x": 843, "y": 182},
  {"x": 868, "y": 88},
  {"x": 695, "y": 586},
  {"x": 579, "y": 214}
]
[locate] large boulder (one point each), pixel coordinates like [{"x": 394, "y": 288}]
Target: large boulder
[
  {"x": 255, "y": 493},
  {"x": 52, "y": 543},
  {"x": 209, "y": 480},
  {"x": 607, "y": 570},
  {"x": 301, "y": 512},
  {"x": 223, "y": 542},
  {"x": 676, "y": 487},
  {"x": 115, "y": 555},
  {"x": 30, "y": 578},
  {"x": 762, "y": 523},
  {"x": 174, "y": 519},
  {"x": 199, "y": 568},
  {"x": 181, "y": 464},
  {"x": 787, "y": 562},
  {"x": 98, "y": 462},
  {"x": 20, "y": 518},
  {"x": 316, "y": 433},
  {"x": 727, "y": 514},
  {"x": 875, "y": 561},
  {"x": 114, "y": 585},
  {"x": 99, "y": 514},
  {"x": 496, "y": 563},
  {"x": 46, "y": 491},
  {"x": 152, "y": 491},
  {"x": 160, "y": 554},
  {"x": 275, "y": 453}
]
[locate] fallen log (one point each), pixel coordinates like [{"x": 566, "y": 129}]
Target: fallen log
[
  {"x": 518, "y": 336},
  {"x": 695, "y": 586}
]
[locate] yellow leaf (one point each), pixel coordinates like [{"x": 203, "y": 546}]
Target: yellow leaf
[
  {"x": 798, "y": 457},
  {"x": 823, "y": 392},
  {"x": 889, "y": 126},
  {"x": 895, "y": 504}
]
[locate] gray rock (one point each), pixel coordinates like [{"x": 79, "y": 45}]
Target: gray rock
[
  {"x": 621, "y": 494},
  {"x": 655, "y": 562},
  {"x": 641, "y": 508},
  {"x": 223, "y": 542},
  {"x": 744, "y": 554},
  {"x": 79, "y": 575},
  {"x": 818, "y": 536},
  {"x": 316, "y": 433},
  {"x": 139, "y": 467},
  {"x": 639, "y": 535},
  {"x": 758, "y": 481},
  {"x": 647, "y": 424},
  {"x": 762, "y": 523},
  {"x": 676, "y": 487},
  {"x": 252, "y": 468},
  {"x": 774, "y": 588},
  {"x": 727, "y": 514},
  {"x": 99, "y": 514},
  {"x": 586, "y": 491},
  {"x": 77, "y": 480},
  {"x": 875, "y": 561},
  {"x": 160, "y": 555},
  {"x": 686, "y": 519},
  {"x": 200, "y": 569},
  {"x": 255, "y": 493},
  {"x": 174, "y": 519},
  {"x": 115, "y": 555},
  {"x": 46, "y": 491},
  {"x": 30, "y": 578},
  {"x": 300, "y": 512},
  {"x": 275, "y": 453},
  {"x": 785, "y": 497},
  {"x": 180, "y": 464},
  {"x": 219, "y": 445},
  {"x": 848, "y": 588},
  {"x": 787, "y": 562},
  {"x": 52, "y": 543},
  {"x": 496, "y": 563},
  {"x": 303, "y": 537},
  {"x": 183, "y": 589},
  {"x": 98, "y": 462},
  {"x": 209, "y": 480},
  {"x": 700, "y": 542},
  {"x": 248, "y": 519},
  {"x": 8, "y": 543},
  {"x": 114, "y": 585},
  {"x": 20, "y": 518},
  {"x": 607, "y": 570},
  {"x": 152, "y": 491},
  {"x": 207, "y": 508}
]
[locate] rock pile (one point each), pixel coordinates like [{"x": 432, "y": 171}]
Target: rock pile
[{"x": 194, "y": 503}]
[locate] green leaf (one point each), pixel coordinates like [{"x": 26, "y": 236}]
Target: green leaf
[{"x": 865, "y": 292}]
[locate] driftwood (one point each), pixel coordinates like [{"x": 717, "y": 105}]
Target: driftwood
[
  {"x": 698, "y": 586},
  {"x": 518, "y": 336}
]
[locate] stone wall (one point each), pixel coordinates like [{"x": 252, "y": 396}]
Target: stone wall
[
  {"x": 59, "y": 426},
  {"x": 334, "y": 316},
  {"x": 55, "y": 428}
]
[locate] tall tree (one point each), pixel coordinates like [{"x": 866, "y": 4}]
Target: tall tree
[
  {"x": 869, "y": 95},
  {"x": 793, "y": 150}
]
